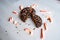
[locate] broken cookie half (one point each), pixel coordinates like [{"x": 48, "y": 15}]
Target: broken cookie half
[
  {"x": 37, "y": 20},
  {"x": 25, "y": 13}
]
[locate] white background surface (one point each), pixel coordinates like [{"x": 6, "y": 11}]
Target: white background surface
[{"x": 6, "y": 8}]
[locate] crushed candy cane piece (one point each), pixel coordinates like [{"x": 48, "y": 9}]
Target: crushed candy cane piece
[
  {"x": 34, "y": 5},
  {"x": 14, "y": 12},
  {"x": 43, "y": 11},
  {"x": 16, "y": 23},
  {"x": 20, "y": 7},
  {"x": 49, "y": 19},
  {"x": 45, "y": 26},
  {"x": 41, "y": 35},
  {"x": 28, "y": 31},
  {"x": 10, "y": 19}
]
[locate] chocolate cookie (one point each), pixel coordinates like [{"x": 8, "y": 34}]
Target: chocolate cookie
[
  {"x": 37, "y": 20},
  {"x": 25, "y": 13}
]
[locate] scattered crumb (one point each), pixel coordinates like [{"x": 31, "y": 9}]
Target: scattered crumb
[
  {"x": 28, "y": 24},
  {"x": 12, "y": 21},
  {"x": 17, "y": 32},
  {"x": 34, "y": 28},
  {"x": 20, "y": 23},
  {"x": 29, "y": 31},
  {"x": 16, "y": 26},
  {"x": 6, "y": 31}
]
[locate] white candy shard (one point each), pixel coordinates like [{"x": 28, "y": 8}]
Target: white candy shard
[{"x": 45, "y": 25}]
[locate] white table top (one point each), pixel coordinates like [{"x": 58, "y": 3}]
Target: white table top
[{"x": 6, "y": 8}]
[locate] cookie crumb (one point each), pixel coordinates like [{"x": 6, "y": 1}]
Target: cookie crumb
[
  {"x": 29, "y": 31},
  {"x": 16, "y": 27},
  {"x": 34, "y": 28},
  {"x": 17, "y": 32},
  {"x": 6, "y": 31},
  {"x": 28, "y": 24}
]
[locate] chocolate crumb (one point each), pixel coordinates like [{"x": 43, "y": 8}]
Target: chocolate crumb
[
  {"x": 28, "y": 24},
  {"x": 20, "y": 23},
  {"x": 34, "y": 28},
  {"x": 6, "y": 31},
  {"x": 16, "y": 26},
  {"x": 17, "y": 32}
]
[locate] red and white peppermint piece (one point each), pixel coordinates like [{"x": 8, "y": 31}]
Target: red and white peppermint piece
[
  {"x": 41, "y": 34},
  {"x": 14, "y": 12},
  {"x": 45, "y": 25},
  {"x": 43, "y": 11},
  {"x": 49, "y": 18},
  {"x": 11, "y": 19},
  {"x": 16, "y": 23},
  {"x": 34, "y": 5},
  {"x": 20, "y": 7}
]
